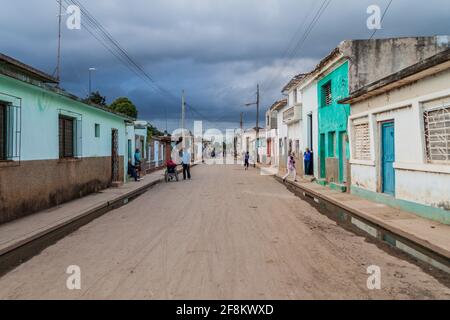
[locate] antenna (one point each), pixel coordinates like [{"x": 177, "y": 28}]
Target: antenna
[{"x": 58, "y": 63}]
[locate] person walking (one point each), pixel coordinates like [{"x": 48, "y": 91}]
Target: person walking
[
  {"x": 186, "y": 164},
  {"x": 132, "y": 171},
  {"x": 291, "y": 168},
  {"x": 308, "y": 157},
  {"x": 247, "y": 160},
  {"x": 138, "y": 160}
]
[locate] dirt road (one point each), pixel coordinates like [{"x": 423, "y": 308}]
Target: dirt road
[{"x": 227, "y": 234}]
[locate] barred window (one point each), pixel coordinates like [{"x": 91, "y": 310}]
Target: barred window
[
  {"x": 437, "y": 134},
  {"x": 66, "y": 137},
  {"x": 362, "y": 142},
  {"x": 3, "y": 132}
]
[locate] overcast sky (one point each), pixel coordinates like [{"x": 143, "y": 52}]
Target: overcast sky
[{"x": 216, "y": 50}]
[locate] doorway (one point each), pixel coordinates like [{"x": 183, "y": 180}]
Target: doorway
[
  {"x": 115, "y": 155},
  {"x": 322, "y": 147},
  {"x": 388, "y": 158}
]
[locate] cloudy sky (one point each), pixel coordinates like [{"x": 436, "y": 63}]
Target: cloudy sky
[{"x": 216, "y": 50}]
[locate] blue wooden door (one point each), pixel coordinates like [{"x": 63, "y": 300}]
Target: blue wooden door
[{"x": 388, "y": 158}]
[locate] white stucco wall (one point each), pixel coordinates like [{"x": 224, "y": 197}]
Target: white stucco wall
[
  {"x": 310, "y": 106},
  {"x": 416, "y": 179}
]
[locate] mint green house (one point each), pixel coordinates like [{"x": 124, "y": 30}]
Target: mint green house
[
  {"x": 349, "y": 67},
  {"x": 53, "y": 146},
  {"x": 333, "y": 118}
]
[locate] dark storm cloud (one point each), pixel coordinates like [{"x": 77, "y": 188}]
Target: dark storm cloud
[{"x": 216, "y": 50}]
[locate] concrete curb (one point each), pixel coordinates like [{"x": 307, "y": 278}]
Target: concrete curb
[
  {"x": 406, "y": 242},
  {"x": 25, "y": 249}
]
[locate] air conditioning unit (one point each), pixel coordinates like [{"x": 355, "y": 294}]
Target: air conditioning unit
[{"x": 293, "y": 114}]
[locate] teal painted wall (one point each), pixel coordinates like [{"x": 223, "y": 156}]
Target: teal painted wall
[
  {"x": 39, "y": 126},
  {"x": 333, "y": 118},
  {"x": 428, "y": 212}
]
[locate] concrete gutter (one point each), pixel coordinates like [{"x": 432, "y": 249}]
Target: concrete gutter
[
  {"x": 370, "y": 218},
  {"x": 25, "y": 246}
]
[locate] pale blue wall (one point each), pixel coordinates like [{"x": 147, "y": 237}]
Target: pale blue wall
[{"x": 39, "y": 125}]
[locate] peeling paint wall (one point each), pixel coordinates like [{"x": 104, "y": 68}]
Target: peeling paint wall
[
  {"x": 416, "y": 179},
  {"x": 333, "y": 119},
  {"x": 364, "y": 177},
  {"x": 372, "y": 60}
]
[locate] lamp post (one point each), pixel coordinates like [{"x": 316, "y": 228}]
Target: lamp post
[
  {"x": 257, "y": 122},
  {"x": 90, "y": 79}
]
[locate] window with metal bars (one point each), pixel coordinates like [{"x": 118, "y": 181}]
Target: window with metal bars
[
  {"x": 66, "y": 137},
  {"x": 327, "y": 98},
  {"x": 362, "y": 142},
  {"x": 437, "y": 134},
  {"x": 3, "y": 132}
]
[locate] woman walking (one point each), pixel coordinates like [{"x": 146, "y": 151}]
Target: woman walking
[{"x": 291, "y": 168}]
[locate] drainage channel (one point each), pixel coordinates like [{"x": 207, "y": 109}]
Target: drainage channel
[
  {"x": 12, "y": 259},
  {"x": 384, "y": 239}
]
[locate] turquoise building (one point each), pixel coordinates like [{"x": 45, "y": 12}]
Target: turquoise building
[{"x": 333, "y": 122}]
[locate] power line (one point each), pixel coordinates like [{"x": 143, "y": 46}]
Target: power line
[
  {"x": 301, "y": 41},
  {"x": 382, "y": 18}
]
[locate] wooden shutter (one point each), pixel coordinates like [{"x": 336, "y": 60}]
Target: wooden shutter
[
  {"x": 66, "y": 137},
  {"x": 327, "y": 94}
]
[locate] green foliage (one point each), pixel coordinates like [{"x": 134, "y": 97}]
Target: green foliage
[
  {"x": 154, "y": 132},
  {"x": 96, "y": 98},
  {"x": 124, "y": 106}
]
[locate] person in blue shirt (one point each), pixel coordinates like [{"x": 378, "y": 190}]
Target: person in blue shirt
[
  {"x": 186, "y": 164},
  {"x": 308, "y": 157},
  {"x": 247, "y": 161},
  {"x": 138, "y": 160}
]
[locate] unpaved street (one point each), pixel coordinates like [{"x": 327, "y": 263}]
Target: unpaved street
[{"x": 227, "y": 234}]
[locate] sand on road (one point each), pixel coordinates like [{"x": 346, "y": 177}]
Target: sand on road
[{"x": 227, "y": 234}]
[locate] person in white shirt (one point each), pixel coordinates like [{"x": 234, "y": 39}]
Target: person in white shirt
[
  {"x": 186, "y": 164},
  {"x": 291, "y": 168}
]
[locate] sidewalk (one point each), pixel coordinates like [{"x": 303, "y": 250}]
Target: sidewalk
[
  {"x": 424, "y": 239},
  {"x": 23, "y": 233}
]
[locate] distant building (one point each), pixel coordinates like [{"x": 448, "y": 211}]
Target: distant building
[
  {"x": 400, "y": 139},
  {"x": 290, "y": 118},
  {"x": 273, "y": 149},
  {"x": 53, "y": 146},
  {"x": 323, "y": 121}
]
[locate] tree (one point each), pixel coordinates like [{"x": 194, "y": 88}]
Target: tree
[
  {"x": 96, "y": 98},
  {"x": 155, "y": 132},
  {"x": 125, "y": 106}
]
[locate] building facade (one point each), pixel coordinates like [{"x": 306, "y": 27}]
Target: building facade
[
  {"x": 400, "y": 139},
  {"x": 53, "y": 147},
  {"x": 333, "y": 117}
]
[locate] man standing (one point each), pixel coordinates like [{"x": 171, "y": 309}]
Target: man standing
[
  {"x": 186, "y": 164},
  {"x": 308, "y": 162},
  {"x": 247, "y": 160}
]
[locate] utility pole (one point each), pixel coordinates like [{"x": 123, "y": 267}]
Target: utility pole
[
  {"x": 183, "y": 110},
  {"x": 242, "y": 121},
  {"x": 257, "y": 125},
  {"x": 183, "y": 117},
  {"x": 58, "y": 62},
  {"x": 90, "y": 80},
  {"x": 257, "y": 122}
]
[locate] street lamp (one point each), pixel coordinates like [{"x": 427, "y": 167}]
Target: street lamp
[
  {"x": 257, "y": 122},
  {"x": 90, "y": 79}
]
